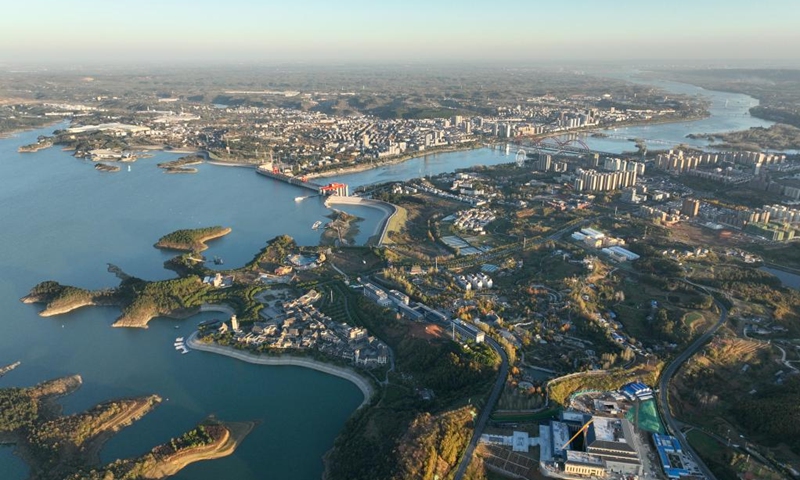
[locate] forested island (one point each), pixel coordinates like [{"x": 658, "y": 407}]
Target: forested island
[
  {"x": 142, "y": 300},
  {"x": 181, "y": 165},
  {"x": 191, "y": 240},
  {"x": 67, "y": 447}
]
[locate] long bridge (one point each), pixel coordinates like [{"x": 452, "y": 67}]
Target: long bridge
[{"x": 340, "y": 189}]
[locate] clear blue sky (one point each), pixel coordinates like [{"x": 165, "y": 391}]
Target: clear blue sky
[{"x": 391, "y": 30}]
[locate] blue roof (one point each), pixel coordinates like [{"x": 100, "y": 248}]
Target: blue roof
[{"x": 668, "y": 444}]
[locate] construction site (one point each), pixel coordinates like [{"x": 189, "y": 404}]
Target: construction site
[{"x": 607, "y": 435}]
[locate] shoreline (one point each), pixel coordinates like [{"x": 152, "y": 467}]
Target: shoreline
[
  {"x": 288, "y": 360},
  {"x": 394, "y": 161},
  {"x": 199, "y": 244},
  {"x": 389, "y": 211}
]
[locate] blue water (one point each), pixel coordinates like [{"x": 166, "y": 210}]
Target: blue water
[
  {"x": 63, "y": 220},
  {"x": 728, "y": 112},
  {"x": 427, "y": 165},
  {"x": 791, "y": 280},
  {"x": 11, "y": 466}
]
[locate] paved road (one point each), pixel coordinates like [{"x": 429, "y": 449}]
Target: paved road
[
  {"x": 666, "y": 377},
  {"x": 483, "y": 418}
]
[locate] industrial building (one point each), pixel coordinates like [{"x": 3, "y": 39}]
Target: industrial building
[
  {"x": 469, "y": 332},
  {"x": 637, "y": 391},
  {"x": 377, "y": 295},
  {"x": 671, "y": 456},
  {"x": 620, "y": 254},
  {"x": 593, "y": 446},
  {"x": 399, "y": 297}
]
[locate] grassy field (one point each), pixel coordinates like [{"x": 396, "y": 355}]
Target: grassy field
[
  {"x": 697, "y": 322},
  {"x": 396, "y": 224}
]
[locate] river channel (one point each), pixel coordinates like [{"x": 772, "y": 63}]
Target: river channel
[{"x": 63, "y": 220}]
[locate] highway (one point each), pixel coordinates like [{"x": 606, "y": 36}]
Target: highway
[
  {"x": 666, "y": 377},
  {"x": 483, "y": 418}
]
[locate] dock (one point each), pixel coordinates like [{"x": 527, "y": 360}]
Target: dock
[
  {"x": 340, "y": 189},
  {"x": 180, "y": 346}
]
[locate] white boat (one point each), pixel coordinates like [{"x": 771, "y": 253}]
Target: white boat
[
  {"x": 316, "y": 225},
  {"x": 179, "y": 339},
  {"x": 299, "y": 199}
]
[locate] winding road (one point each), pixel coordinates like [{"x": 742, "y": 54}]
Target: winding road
[
  {"x": 666, "y": 376},
  {"x": 483, "y": 418}
]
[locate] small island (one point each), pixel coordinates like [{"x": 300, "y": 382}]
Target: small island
[
  {"x": 67, "y": 447},
  {"x": 182, "y": 165},
  {"x": 191, "y": 240},
  {"x": 103, "y": 167}
]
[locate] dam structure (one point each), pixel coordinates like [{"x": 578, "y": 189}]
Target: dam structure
[{"x": 272, "y": 171}]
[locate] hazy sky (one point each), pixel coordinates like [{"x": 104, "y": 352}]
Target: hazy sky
[{"x": 125, "y": 31}]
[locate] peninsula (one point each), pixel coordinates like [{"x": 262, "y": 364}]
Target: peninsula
[
  {"x": 41, "y": 144},
  {"x": 59, "y": 447},
  {"x": 191, "y": 240},
  {"x": 182, "y": 165},
  {"x": 196, "y": 287}
]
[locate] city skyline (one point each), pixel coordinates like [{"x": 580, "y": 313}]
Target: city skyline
[{"x": 90, "y": 31}]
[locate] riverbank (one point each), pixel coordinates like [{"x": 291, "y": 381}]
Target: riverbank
[
  {"x": 287, "y": 360},
  {"x": 383, "y": 163}
]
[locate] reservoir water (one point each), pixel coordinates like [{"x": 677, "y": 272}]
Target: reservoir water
[{"x": 65, "y": 221}]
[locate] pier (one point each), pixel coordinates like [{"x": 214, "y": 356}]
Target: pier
[{"x": 340, "y": 189}]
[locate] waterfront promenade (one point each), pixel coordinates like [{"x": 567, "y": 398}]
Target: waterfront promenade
[{"x": 287, "y": 360}]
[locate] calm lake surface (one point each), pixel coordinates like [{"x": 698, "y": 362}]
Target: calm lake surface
[{"x": 65, "y": 221}]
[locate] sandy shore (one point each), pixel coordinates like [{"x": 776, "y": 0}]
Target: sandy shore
[{"x": 343, "y": 372}]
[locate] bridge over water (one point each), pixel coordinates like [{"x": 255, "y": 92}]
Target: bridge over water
[{"x": 340, "y": 189}]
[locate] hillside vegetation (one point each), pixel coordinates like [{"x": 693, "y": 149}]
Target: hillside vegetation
[{"x": 191, "y": 240}]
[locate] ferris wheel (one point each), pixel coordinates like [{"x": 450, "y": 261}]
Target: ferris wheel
[{"x": 521, "y": 157}]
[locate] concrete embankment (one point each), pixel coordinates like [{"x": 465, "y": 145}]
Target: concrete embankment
[
  {"x": 220, "y": 308},
  {"x": 287, "y": 360},
  {"x": 388, "y": 210}
]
